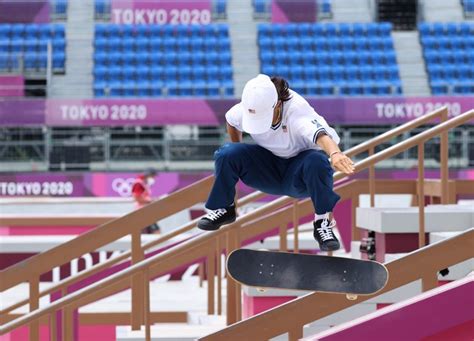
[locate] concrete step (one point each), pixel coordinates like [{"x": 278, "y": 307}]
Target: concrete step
[
  {"x": 414, "y": 81},
  {"x": 409, "y": 57},
  {"x": 438, "y": 218},
  {"x": 413, "y": 71}
]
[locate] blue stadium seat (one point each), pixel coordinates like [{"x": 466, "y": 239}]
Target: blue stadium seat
[
  {"x": 330, "y": 30},
  {"x": 5, "y": 31},
  {"x": 165, "y": 53},
  {"x": 17, "y": 31},
  {"x": 385, "y": 28},
  {"x": 317, "y": 30},
  {"x": 185, "y": 58},
  {"x": 345, "y": 30},
  {"x": 264, "y": 30},
  {"x": 438, "y": 29},
  {"x": 358, "y": 29},
  {"x": 31, "y": 31}
]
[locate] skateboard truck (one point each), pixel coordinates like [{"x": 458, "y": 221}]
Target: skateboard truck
[
  {"x": 367, "y": 245},
  {"x": 351, "y": 297}
]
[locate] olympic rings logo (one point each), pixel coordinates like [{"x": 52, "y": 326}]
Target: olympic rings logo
[{"x": 123, "y": 187}]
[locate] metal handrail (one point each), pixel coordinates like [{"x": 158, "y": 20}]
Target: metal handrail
[
  {"x": 124, "y": 256},
  {"x": 204, "y": 238},
  {"x": 353, "y": 151}
]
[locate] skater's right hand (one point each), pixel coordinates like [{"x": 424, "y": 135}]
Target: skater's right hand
[{"x": 342, "y": 163}]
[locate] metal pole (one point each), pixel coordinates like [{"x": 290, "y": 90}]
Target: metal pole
[{"x": 49, "y": 67}]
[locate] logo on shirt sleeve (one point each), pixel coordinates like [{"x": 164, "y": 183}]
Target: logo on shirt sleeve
[{"x": 318, "y": 125}]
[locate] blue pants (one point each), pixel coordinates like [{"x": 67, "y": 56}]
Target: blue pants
[{"x": 308, "y": 174}]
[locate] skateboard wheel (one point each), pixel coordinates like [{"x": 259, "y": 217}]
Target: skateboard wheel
[
  {"x": 351, "y": 297},
  {"x": 261, "y": 289}
]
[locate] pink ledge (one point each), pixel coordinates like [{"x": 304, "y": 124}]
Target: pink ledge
[{"x": 449, "y": 308}]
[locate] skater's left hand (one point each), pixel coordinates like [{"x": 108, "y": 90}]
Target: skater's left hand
[{"x": 342, "y": 163}]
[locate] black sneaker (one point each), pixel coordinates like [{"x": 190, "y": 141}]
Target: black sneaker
[
  {"x": 216, "y": 218},
  {"x": 325, "y": 236}
]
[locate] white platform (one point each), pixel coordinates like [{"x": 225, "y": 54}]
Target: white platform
[{"x": 438, "y": 218}]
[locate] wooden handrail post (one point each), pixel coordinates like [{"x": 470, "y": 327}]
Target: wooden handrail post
[
  {"x": 146, "y": 304},
  {"x": 295, "y": 226},
  {"x": 429, "y": 282},
  {"x": 68, "y": 323},
  {"x": 136, "y": 318},
  {"x": 354, "y": 205},
  {"x": 34, "y": 304},
  {"x": 211, "y": 274},
  {"x": 232, "y": 285},
  {"x": 444, "y": 157},
  {"x": 52, "y": 327},
  {"x": 372, "y": 180},
  {"x": 219, "y": 275},
  {"x": 421, "y": 195},
  {"x": 283, "y": 237},
  {"x": 295, "y": 334},
  {"x": 201, "y": 274}
]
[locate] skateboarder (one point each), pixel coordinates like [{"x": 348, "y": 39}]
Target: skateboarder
[{"x": 293, "y": 154}]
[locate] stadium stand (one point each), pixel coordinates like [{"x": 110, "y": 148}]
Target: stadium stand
[
  {"x": 220, "y": 8},
  {"x": 468, "y": 6},
  {"x": 25, "y": 45},
  {"x": 162, "y": 60},
  {"x": 59, "y": 9},
  {"x": 330, "y": 59},
  {"x": 448, "y": 49},
  {"x": 102, "y": 9}
]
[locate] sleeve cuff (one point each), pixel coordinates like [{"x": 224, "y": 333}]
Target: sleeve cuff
[{"x": 318, "y": 133}]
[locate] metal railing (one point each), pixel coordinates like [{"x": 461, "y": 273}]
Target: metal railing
[{"x": 105, "y": 149}]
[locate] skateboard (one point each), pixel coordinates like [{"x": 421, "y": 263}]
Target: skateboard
[{"x": 285, "y": 270}]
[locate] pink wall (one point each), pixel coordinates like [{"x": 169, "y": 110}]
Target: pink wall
[
  {"x": 442, "y": 310},
  {"x": 11, "y": 86},
  {"x": 461, "y": 332},
  {"x": 89, "y": 333}
]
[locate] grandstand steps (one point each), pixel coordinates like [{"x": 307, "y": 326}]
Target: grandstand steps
[
  {"x": 77, "y": 81},
  {"x": 443, "y": 10},
  {"x": 411, "y": 64},
  {"x": 352, "y": 11},
  {"x": 243, "y": 36}
]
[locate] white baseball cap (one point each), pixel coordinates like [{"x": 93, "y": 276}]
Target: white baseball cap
[{"x": 259, "y": 99}]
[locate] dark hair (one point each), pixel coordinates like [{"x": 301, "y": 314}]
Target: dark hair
[{"x": 283, "y": 89}]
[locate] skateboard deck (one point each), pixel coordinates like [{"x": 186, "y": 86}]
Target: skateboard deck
[{"x": 284, "y": 270}]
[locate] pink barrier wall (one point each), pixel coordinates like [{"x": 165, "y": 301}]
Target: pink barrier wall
[
  {"x": 442, "y": 310},
  {"x": 12, "y": 86}
]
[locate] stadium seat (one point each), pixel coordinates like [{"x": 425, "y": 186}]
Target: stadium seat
[
  {"x": 185, "y": 60},
  {"x": 447, "y": 50},
  {"x": 331, "y": 53}
]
